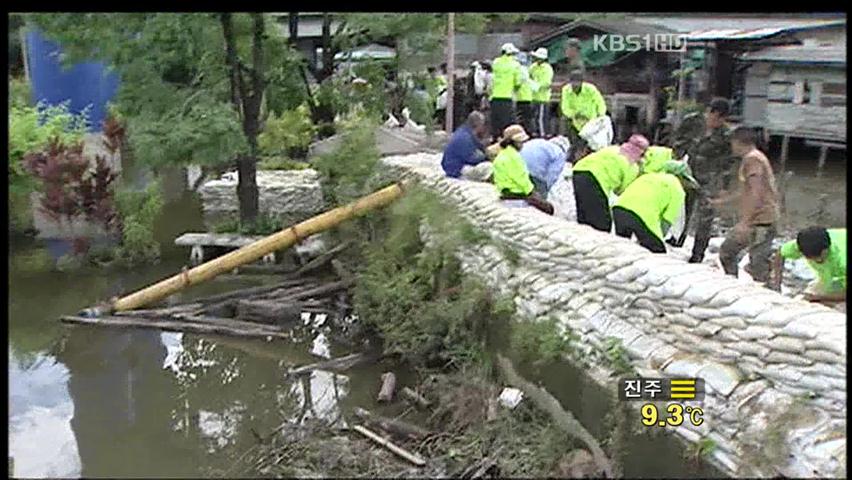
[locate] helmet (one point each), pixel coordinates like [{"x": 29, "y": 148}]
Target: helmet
[
  {"x": 562, "y": 143},
  {"x": 509, "y": 48},
  {"x": 541, "y": 54}
]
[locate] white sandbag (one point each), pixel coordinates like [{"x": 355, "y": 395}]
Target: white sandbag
[{"x": 598, "y": 133}]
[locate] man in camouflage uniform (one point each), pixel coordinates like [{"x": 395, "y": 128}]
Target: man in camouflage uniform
[{"x": 706, "y": 138}]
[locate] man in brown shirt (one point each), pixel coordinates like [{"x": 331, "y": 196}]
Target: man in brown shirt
[{"x": 758, "y": 209}]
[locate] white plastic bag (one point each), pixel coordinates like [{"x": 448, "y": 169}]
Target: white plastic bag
[
  {"x": 511, "y": 397},
  {"x": 598, "y": 133}
]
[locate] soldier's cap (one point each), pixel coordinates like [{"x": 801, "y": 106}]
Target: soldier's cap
[
  {"x": 681, "y": 170},
  {"x": 572, "y": 42}
]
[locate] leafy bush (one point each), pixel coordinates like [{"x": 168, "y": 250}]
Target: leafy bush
[
  {"x": 414, "y": 294},
  {"x": 347, "y": 170},
  {"x": 20, "y": 93},
  {"x": 138, "y": 210},
  {"x": 540, "y": 341},
  {"x": 290, "y": 134}
]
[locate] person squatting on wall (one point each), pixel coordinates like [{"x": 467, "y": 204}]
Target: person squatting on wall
[
  {"x": 758, "y": 209},
  {"x": 506, "y": 79},
  {"x": 464, "y": 155},
  {"x": 511, "y": 177},
  {"x": 706, "y": 139},
  {"x": 541, "y": 74},
  {"x": 652, "y": 203},
  {"x": 602, "y": 173}
]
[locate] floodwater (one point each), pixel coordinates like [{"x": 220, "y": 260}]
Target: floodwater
[{"x": 103, "y": 402}]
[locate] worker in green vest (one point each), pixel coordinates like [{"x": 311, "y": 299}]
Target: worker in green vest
[
  {"x": 524, "y": 98},
  {"x": 541, "y": 74},
  {"x": 581, "y": 102},
  {"x": 510, "y": 174},
  {"x": 602, "y": 173},
  {"x": 825, "y": 252},
  {"x": 505, "y": 81},
  {"x": 651, "y": 204}
]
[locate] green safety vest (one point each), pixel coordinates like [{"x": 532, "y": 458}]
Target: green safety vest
[
  {"x": 655, "y": 159},
  {"x": 589, "y": 103},
  {"x": 654, "y": 197},
  {"x": 542, "y": 73},
  {"x": 831, "y": 272},
  {"x": 613, "y": 171},
  {"x": 505, "y": 77},
  {"x": 525, "y": 91},
  {"x": 510, "y": 173}
]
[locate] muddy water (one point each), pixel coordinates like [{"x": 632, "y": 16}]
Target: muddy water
[{"x": 97, "y": 402}]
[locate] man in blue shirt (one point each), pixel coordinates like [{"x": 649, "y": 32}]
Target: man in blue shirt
[
  {"x": 545, "y": 161},
  {"x": 464, "y": 156}
]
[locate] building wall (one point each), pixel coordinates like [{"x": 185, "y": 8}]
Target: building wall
[{"x": 770, "y": 101}]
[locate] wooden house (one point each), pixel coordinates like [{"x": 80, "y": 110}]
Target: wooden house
[{"x": 798, "y": 91}]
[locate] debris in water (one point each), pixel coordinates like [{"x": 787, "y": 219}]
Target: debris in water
[
  {"x": 306, "y": 318},
  {"x": 511, "y": 397},
  {"x": 321, "y": 346},
  {"x": 320, "y": 319}
]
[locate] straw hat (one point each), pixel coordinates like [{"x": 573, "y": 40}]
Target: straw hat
[{"x": 516, "y": 133}]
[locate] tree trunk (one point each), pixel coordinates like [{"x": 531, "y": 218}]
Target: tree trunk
[
  {"x": 327, "y": 49},
  {"x": 451, "y": 68},
  {"x": 293, "y": 24}
]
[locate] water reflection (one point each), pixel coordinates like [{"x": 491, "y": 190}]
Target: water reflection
[
  {"x": 40, "y": 409},
  {"x": 121, "y": 399}
]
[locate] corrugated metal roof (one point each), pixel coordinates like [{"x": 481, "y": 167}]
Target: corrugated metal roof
[
  {"x": 835, "y": 53},
  {"x": 736, "y": 28}
]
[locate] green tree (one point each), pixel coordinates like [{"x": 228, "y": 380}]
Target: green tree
[{"x": 193, "y": 85}]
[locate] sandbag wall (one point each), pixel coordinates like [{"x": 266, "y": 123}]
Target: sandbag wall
[{"x": 775, "y": 367}]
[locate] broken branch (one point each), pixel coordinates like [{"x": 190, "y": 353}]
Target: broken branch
[{"x": 411, "y": 457}]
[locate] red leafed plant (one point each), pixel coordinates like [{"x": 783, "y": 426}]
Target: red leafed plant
[
  {"x": 114, "y": 134},
  {"x": 69, "y": 188}
]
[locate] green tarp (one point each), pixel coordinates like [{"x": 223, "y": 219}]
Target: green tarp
[{"x": 591, "y": 57}]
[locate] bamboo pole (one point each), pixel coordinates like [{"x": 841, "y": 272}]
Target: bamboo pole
[
  {"x": 255, "y": 251},
  {"x": 411, "y": 457}
]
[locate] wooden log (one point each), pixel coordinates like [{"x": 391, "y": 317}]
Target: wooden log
[
  {"x": 269, "y": 312},
  {"x": 335, "y": 364},
  {"x": 279, "y": 294},
  {"x": 253, "y": 291},
  {"x": 174, "y": 325},
  {"x": 415, "y": 398},
  {"x": 161, "y": 312},
  {"x": 411, "y": 457},
  {"x": 322, "y": 290},
  {"x": 323, "y": 259},
  {"x": 267, "y": 270},
  {"x": 254, "y": 251},
  {"x": 388, "y": 386},
  {"x": 341, "y": 270},
  {"x": 564, "y": 420},
  {"x": 399, "y": 429}
]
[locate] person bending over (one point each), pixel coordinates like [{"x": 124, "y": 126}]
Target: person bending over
[{"x": 825, "y": 252}]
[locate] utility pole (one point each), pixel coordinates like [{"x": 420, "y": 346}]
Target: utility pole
[{"x": 451, "y": 68}]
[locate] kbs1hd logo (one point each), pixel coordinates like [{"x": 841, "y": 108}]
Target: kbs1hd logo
[{"x": 658, "y": 42}]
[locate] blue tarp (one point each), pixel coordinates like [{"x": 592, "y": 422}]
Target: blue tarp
[{"x": 87, "y": 84}]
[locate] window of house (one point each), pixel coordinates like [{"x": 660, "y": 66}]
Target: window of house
[{"x": 833, "y": 94}]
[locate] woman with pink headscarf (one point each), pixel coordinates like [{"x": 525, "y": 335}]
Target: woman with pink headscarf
[{"x": 602, "y": 173}]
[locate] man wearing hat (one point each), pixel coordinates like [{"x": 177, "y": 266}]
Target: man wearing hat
[
  {"x": 511, "y": 177},
  {"x": 545, "y": 160},
  {"x": 506, "y": 80},
  {"x": 581, "y": 102},
  {"x": 652, "y": 203},
  {"x": 542, "y": 74},
  {"x": 602, "y": 173}
]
